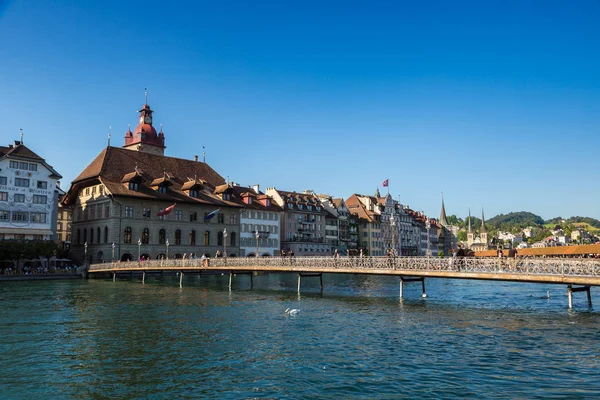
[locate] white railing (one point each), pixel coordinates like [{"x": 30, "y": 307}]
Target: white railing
[{"x": 525, "y": 266}]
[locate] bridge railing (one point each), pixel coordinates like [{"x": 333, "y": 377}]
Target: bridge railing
[{"x": 540, "y": 266}]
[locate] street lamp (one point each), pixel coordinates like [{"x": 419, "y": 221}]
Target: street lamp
[
  {"x": 225, "y": 242},
  {"x": 256, "y": 235},
  {"x": 139, "y": 249},
  {"x": 167, "y": 244},
  {"x": 113, "y": 252},
  {"x": 428, "y": 226},
  {"x": 85, "y": 252}
]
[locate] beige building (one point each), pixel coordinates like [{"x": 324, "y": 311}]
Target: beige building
[
  {"x": 135, "y": 202},
  {"x": 370, "y": 237}
]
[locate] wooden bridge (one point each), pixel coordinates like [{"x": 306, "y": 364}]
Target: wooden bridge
[{"x": 581, "y": 272}]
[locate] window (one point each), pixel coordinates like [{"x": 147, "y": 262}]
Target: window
[
  {"x": 107, "y": 211},
  {"x": 226, "y": 196},
  {"x": 193, "y": 216},
  {"x": 232, "y": 236},
  {"x": 87, "y": 191},
  {"x": 162, "y": 189},
  {"x": 194, "y": 193},
  {"x": 192, "y": 237},
  {"x": 126, "y": 236},
  {"x": 85, "y": 235},
  {"x": 290, "y": 205},
  {"x": 129, "y": 212},
  {"x": 206, "y": 238},
  {"x": 98, "y": 234},
  {"x": 233, "y": 219},
  {"x": 19, "y": 198},
  {"x": 106, "y": 234},
  {"x": 78, "y": 236},
  {"x": 178, "y": 236},
  {"x": 179, "y": 215},
  {"x": 134, "y": 186},
  {"x": 162, "y": 236},
  {"x": 14, "y": 164},
  {"x": 21, "y": 182},
  {"x": 220, "y": 238},
  {"x": 23, "y": 165},
  {"x": 40, "y": 199},
  {"x": 146, "y": 213},
  {"x": 221, "y": 218},
  {"x": 2, "y": 180},
  {"x": 3, "y": 196},
  {"x": 20, "y": 216},
  {"x": 91, "y": 235},
  {"x": 145, "y": 236},
  {"x": 4, "y": 215}
]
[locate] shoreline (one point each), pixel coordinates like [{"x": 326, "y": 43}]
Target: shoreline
[{"x": 39, "y": 277}]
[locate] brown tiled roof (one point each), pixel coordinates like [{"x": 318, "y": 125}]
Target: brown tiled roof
[
  {"x": 356, "y": 207},
  {"x": 547, "y": 251},
  {"x": 114, "y": 165},
  {"x": 22, "y": 151},
  {"x": 304, "y": 199},
  {"x": 239, "y": 192}
]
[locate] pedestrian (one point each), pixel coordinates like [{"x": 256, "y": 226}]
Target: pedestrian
[
  {"x": 218, "y": 254},
  {"x": 336, "y": 254},
  {"x": 204, "y": 260}
]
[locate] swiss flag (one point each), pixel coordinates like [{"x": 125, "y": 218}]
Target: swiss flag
[
  {"x": 385, "y": 183},
  {"x": 166, "y": 211}
]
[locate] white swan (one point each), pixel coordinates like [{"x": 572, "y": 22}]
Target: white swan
[{"x": 292, "y": 311}]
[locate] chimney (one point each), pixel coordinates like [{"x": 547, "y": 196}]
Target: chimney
[
  {"x": 195, "y": 157},
  {"x": 256, "y": 188}
]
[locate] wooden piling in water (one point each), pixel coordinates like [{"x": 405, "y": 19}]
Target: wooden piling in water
[
  {"x": 180, "y": 279},
  {"x": 144, "y": 277}
]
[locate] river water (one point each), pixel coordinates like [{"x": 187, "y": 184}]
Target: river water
[{"x": 104, "y": 339}]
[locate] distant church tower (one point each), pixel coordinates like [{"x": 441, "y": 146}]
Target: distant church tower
[
  {"x": 483, "y": 233},
  {"x": 470, "y": 236},
  {"x": 144, "y": 138}
]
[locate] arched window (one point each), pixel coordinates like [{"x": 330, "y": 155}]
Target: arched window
[
  {"x": 127, "y": 235},
  {"x": 98, "y": 236},
  {"x": 78, "y": 236},
  {"x": 145, "y": 236},
  {"x": 178, "y": 236},
  {"x": 84, "y": 235},
  {"x": 106, "y": 234},
  {"x": 192, "y": 237},
  {"x": 162, "y": 236},
  {"x": 206, "y": 238},
  {"x": 220, "y": 238},
  {"x": 91, "y": 235},
  {"x": 232, "y": 235}
]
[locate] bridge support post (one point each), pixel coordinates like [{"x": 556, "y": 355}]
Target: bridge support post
[
  {"x": 180, "y": 279},
  {"x": 251, "y": 280},
  {"x": 401, "y": 286},
  {"x": 144, "y": 277},
  {"x": 571, "y": 290},
  {"x": 307, "y": 275},
  {"x": 114, "y": 276},
  {"x": 423, "y": 284},
  {"x": 230, "y": 278},
  {"x": 299, "y": 278}
]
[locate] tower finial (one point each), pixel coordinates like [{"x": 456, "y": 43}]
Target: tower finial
[
  {"x": 204, "y": 154},
  {"x": 146, "y": 89},
  {"x": 21, "y": 135},
  {"x": 109, "y": 131}
]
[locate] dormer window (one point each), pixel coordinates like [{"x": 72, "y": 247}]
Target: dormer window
[
  {"x": 290, "y": 205},
  {"x": 134, "y": 186},
  {"x": 226, "y": 196},
  {"x": 162, "y": 189},
  {"x": 300, "y": 206},
  {"x": 309, "y": 208},
  {"x": 318, "y": 208},
  {"x": 194, "y": 193},
  {"x": 268, "y": 203}
]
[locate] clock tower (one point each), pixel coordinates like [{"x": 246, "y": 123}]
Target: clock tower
[{"x": 144, "y": 137}]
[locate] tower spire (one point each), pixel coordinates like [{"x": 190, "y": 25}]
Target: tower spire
[
  {"x": 470, "y": 227},
  {"x": 21, "y": 135},
  {"x": 482, "y": 221},
  {"x": 146, "y": 92},
  {"x": 443, "y": 219}
]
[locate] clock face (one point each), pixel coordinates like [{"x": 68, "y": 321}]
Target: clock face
[{"x": 148, "y": 120}]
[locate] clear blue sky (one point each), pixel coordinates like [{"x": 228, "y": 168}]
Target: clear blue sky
[{"x": 496, "y": 105}]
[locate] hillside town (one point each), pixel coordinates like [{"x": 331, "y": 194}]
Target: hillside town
[{"x": 134, "y": 202}]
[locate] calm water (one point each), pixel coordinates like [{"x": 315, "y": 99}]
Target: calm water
[{"x": 99, "y": 339}]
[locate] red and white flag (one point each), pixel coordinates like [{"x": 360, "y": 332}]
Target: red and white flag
[
  {"x": 385, "y": 183},
  {"x": 165, "y": 211}
]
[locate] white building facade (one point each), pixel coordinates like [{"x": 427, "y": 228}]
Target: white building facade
[{"x": 28, "y": 195}]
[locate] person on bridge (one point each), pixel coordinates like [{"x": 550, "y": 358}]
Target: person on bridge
[{"x": 460, "y": 254}]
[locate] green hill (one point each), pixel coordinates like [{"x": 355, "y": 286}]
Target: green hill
[
  {"x": 520, "y": 220},
  {"x": 575, "y": 220}
]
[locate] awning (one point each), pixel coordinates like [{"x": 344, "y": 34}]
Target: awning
[{"x": 26, "y": 231}]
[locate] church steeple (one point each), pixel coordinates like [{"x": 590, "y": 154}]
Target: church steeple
[
  {"x": 482, "y": 221},
  {"x": 483, "y": 233},
  {"x": 443, "y": 219},
  {"x": 470, "y": 236},
  {"x": 470, "y": 227},
  {"x": 377, "y": 193}
]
